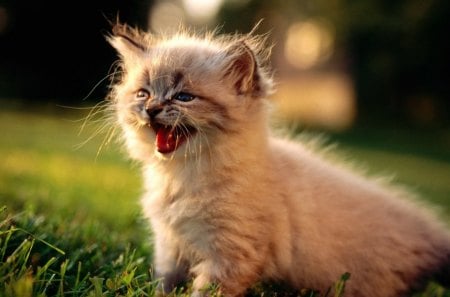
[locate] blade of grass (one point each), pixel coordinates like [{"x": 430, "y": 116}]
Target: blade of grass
[
  {"x": 62, "y": 275},
  {"x": 41, "y": 240}
]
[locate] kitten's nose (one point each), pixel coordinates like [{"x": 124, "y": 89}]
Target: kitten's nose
[{"x": 154, "y": 111}]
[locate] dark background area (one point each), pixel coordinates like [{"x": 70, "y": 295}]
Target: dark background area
[
  {"x": 397, "y": 52},
  {"x": 56, "y": 51}
]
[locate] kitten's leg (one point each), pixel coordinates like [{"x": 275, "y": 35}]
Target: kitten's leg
[
  {"x": 233, "y": 276},
  {"x": 169, "y": 268}
]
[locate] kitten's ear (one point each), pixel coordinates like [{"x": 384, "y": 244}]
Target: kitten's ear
[
  {"x": 130, "y": 43},
  {"x": 243, "y": 69}
]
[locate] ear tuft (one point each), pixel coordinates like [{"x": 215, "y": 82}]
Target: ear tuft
[
  {"x": 129, "y": 42},
  {"x": 243, "y": 69}
]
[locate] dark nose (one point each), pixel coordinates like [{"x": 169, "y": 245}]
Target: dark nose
[{"x": 153, "y": 111}]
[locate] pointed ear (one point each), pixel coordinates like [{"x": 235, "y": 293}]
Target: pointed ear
[
  {"x": 130, "y": 43},
  {"x": 243, "y": 69}
]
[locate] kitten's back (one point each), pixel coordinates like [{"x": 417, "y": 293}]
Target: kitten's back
[{"x": 349, "y": 223}]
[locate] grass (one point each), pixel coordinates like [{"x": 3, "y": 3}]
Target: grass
[{"x": 70, "y": 222}]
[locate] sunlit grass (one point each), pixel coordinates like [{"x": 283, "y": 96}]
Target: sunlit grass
[
  {"x": 42, "y": 165},
  {"x": 60, "y": 196}
]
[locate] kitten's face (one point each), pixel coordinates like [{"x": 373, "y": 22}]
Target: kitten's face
[{"x": 178, "y": 96}]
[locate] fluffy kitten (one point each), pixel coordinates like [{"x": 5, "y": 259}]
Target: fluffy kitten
[{"x": 230, "y": 204}]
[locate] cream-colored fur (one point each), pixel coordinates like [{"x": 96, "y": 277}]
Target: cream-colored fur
[{"x": 234, "y": 205}]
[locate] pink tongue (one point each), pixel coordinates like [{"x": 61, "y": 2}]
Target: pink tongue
[{"x": 166, "y": 140}]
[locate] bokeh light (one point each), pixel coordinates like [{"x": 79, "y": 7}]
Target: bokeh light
[
  {"x": 202, "y": 11},
  {"x": 3, "y": 19},
  {"x": 324, "y": 100},
  {"x": 308, "y": 43},
  {"x": 166, "y": 17}
]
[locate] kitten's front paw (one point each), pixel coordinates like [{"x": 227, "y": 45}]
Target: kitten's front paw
[
  {"x": 205, "y": 291},
  {"x": 199, "y": 294}
]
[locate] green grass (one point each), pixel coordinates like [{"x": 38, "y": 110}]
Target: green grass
[
  {"x": 60, "y": 198},
  {"x": 70, "y": 222}
]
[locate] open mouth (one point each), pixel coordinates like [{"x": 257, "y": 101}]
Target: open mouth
[{"x": 170, "y": 138}]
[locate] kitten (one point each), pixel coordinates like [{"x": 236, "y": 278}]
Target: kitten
[{"x": 230, "y": 204}]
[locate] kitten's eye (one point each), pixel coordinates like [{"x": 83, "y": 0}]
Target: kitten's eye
[
  {"x": 184, "y": 97},
  {"x": 142, "y": 94}
]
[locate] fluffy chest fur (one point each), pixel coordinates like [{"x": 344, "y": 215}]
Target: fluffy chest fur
[{"x": 198, "y": 201}]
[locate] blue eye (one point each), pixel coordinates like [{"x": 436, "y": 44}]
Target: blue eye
[{"x": 184, "y": 97}]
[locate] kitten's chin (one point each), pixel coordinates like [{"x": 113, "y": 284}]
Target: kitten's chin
[{"x": 170, "y": 138}]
